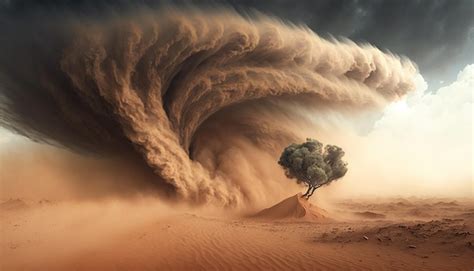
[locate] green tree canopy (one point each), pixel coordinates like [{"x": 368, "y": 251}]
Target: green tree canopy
[{"x": 312, "y": 164}]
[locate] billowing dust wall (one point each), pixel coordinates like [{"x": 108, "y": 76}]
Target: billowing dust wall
[{"x": 148, "y": 82}]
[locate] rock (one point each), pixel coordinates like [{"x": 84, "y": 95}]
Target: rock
[
  {"x": 366, "y": 238},
  {"x": 411, "y": 246}
]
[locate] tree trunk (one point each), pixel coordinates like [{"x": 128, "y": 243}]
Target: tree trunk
[{"x": 305, "y": 194}]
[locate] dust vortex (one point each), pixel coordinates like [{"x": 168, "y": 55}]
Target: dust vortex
[{"x": 201, "y": 95}]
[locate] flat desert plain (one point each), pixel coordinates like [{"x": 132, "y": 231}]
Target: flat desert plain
[{"x": 382, "y": 234}]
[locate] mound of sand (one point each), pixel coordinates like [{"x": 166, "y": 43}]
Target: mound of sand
[
  {"x": 294, "y": 207},
  {"x": 369, "y": 215}
]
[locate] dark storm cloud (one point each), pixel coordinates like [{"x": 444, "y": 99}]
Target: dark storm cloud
[
  {"x": 436, "y": 34},
  {"x": 414, "y": 28}
]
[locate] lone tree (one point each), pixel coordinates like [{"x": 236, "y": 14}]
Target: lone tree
[{"x": 308, "y": 164}]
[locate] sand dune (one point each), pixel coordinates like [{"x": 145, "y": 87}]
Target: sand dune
[
  {"x": 296, "y": 208},
  {"x": 369, "y": 215}
]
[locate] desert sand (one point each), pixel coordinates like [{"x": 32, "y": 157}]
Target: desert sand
[{"x": 394, "y": 234}]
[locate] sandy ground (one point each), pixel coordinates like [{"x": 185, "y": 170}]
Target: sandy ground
[{"x": 396, "y": 234}]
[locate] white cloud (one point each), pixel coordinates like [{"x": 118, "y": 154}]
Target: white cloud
[
  {"x": 6, "y": 137},
  {"x": 421, "y": 146}
]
